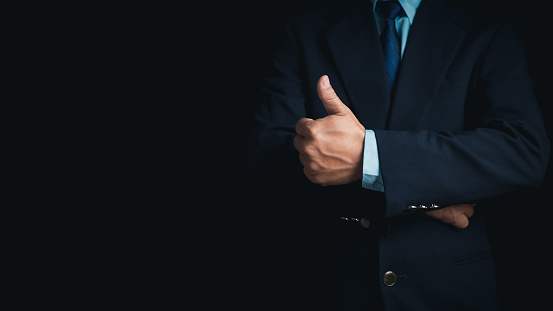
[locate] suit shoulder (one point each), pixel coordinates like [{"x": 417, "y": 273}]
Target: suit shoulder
[{"x": 473, "y": 19}]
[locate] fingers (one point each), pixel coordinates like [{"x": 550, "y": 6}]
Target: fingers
[
  {"x": 467, "y": 209},
  {"x": 461, "y": 222},
  {"x": 460, "y": 215},
  {"x": 455, "y": 215},
  {"x": 302, "y": 126},
  {"x": 299, "y": 143},
  {"x": 331, "y": 101},
  {"x": 309, "y": 166}
]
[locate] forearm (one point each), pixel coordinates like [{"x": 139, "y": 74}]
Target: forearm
[
  {"x": 445, "y": 168},
  {"x": 499, "y": 147}
]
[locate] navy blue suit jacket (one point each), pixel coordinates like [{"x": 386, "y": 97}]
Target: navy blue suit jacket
[{"x": 462, "y": 126}]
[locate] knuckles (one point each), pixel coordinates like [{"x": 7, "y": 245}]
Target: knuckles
[
  {"x": 315, "y": 178},
  {"x": 303, "y": 146},
  {"x": 456, "y": 218},
  {"x": 312, "y": 167},
  {"x": 311, "y": 129},
  {"x": 309, "y": 160},
  {"x": 307, "y": 127}
]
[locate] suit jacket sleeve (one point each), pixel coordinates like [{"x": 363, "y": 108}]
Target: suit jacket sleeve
[
  {"x": 505, "y": 150},
  {"x": 282, "y": 105}
]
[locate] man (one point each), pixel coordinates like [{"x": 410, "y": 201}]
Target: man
[{"x": 414, "y": 115}]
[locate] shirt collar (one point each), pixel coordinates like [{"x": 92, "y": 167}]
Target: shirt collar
[{"x": 409, "y": 6}]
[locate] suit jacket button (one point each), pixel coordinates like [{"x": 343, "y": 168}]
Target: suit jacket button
[
  {"x": 365, "y": 222},
  {"x": 389, "y": 278}
]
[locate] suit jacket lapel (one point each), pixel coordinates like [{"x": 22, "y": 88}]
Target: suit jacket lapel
[
  {"x": 432, "y": 44},
  {"x": 355, "y": 46}
]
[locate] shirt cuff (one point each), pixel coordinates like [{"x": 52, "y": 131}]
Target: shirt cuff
[{"x": 371, "y": 164}]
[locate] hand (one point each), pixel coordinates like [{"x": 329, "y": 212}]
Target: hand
[
  {"x": 331, "y": 148},
  {"x": 455, "y": 215}
]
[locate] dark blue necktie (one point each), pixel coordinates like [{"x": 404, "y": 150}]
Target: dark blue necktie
[{"x": 391, "y": 45}]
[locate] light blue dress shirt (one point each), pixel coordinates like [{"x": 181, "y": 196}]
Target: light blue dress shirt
[{"x": 371, "y": 164}]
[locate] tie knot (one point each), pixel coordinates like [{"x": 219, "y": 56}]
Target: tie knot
[{"x": 390, "y": 9}]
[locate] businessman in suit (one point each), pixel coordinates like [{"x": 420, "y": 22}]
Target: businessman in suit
[{"x": 414, "y": 115}]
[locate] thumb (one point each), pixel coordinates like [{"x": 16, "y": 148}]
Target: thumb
[{"x": 332, "y": 103}]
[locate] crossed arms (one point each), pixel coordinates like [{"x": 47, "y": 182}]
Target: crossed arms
[{"x": 331, "y": 151}]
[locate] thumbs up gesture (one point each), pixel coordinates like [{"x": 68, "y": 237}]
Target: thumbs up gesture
[{"x": 331, "y": 148}]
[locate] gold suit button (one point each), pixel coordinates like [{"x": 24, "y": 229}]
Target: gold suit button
[{"x": 389, "y": 278}]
